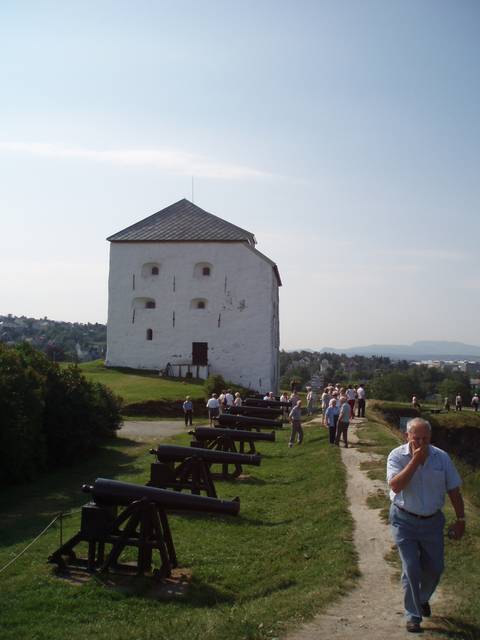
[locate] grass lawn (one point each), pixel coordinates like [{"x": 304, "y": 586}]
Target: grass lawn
[
  {"x": 461, "y": 580},
  {"x": 286, "y": 557},
  {"x": 140, "y": 386}
]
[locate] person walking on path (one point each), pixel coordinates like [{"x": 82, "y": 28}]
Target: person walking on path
[
  {"x": 294, "y": 398},
  {"x": 361, "y": 401},
  {"x": 331, "y": 419},
  {"x": 475, "y": 402},
  {"x": 415, "y": 403},
  {"x": 351, "y": 396},
  {"x": 188, "y": 411},
  {"x": 295, "y": 416},
  {"x": 344, "y": 415},
  {"x": 458, "y": 402},
  {"x": 213, "y": 407},
  {"x": 229, "y": 399},
  {"x": 284, "y": 398},
  {"x": 325, "y": 401},
  {"x": 419, "y": 475},
  {"x": 310, "y": 398}
]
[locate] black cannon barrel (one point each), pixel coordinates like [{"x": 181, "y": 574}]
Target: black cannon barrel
[
  {"x": 259, "y": 412},
  {"x": 229, "y": 420},
  {"x": 113, "y": 492},
  {"x": 255, "y": 402},
  {"x": 210, "y": 433},
  {"x": 172, "y": 453}
]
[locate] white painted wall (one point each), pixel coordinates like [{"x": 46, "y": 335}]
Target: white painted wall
[{"x": 239, "y": 323}]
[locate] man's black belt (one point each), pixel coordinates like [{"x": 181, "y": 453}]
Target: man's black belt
[{"x": 416, "y": 515}]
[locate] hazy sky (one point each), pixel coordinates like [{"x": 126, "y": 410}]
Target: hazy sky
[{"x": 344, "y": 134}]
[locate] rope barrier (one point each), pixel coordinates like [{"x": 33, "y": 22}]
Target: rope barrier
[{"x": 60, "y": 517}]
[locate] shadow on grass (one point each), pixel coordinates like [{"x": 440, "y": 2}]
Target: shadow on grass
[
  {"x": 191, "y": 592},
  {"x": 262, "y": 523},
  {"x": 456, "y": 629},
  {"x": 243, "y": 480},
  {"x": 237, "y": 521},
  {"x": 201, "y": 594},
  {"x": 270, "y": 590},
  {"x": 28, "y": 508}
]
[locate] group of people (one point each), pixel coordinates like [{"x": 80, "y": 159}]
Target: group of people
[
  {"x": 474, "y": 403},
  {"x": 354, "y": 395},
  {"x": 220, "y": 403},
  {"x": 338, "y": 409}
]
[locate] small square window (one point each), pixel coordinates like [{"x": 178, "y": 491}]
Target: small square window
[
  {"x": 200, "y": 304},
  {"x": 206, "y": 271}
]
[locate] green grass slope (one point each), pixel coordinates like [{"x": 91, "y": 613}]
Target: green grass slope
[
  {"x": 286, "y": 557},
  {"x": 140, "y": 386}
]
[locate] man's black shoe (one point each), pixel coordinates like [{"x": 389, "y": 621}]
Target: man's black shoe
[
  {"x": 426, "y": 611},
  {"x": 414, "y": 627}
]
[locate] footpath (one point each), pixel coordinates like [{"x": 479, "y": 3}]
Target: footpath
[
  {"x": 155, "y": 429},
  {"x": 374, "y": 608}
]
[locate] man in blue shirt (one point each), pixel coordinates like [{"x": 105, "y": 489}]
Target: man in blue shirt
[{"x": 419, "y": 476}]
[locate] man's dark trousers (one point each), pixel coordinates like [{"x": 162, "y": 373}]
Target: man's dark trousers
[{"x": 361, "y": 408}]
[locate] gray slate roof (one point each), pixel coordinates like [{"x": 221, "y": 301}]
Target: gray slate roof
[{"x": 183, "y": 221}]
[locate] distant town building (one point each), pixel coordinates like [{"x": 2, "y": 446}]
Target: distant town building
[
  {"x": 324, "y": 365},
  {"x": 189, "y": 294}
]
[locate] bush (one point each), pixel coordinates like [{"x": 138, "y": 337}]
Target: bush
[
  {"x": 22, "y": 445},
  {"x": 214, "y": 384},
  {"x": 49, "y": 415}
]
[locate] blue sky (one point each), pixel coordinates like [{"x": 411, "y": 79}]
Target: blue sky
[{"x": 344, "y": 134}]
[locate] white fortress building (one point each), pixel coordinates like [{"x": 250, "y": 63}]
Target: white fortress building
[{"x": 190, "y": 295}]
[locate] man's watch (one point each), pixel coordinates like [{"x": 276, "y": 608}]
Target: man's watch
[{"x": 461, "y": 519}]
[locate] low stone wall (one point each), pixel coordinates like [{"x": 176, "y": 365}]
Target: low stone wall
[
  {"x": 164, "y": 408},
  {"x": 457, "y": 433}
]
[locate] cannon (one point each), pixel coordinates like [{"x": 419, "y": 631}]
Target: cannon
[
  {"x": 247, "y": 422},
  {"x": 143, "y": 524},
  {"x": 193, "y": 470},
  {"x": 257, "y": 412},
  {"x": 225, "y": 439},
  {"x": 256, "y": 402}
]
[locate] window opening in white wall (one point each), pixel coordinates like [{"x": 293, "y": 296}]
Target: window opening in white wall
[
  {"x": 219, "y": 319},
  {"x": 202, "y": 270},
  {"x": 198, "y": 303},
  {"x": 150, "y": 269},
  {"x": 149, "y": 334},
  {"x": 150, "y": 304}
]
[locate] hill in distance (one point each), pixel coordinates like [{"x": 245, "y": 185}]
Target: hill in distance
[{"x": 421, "y": 350}]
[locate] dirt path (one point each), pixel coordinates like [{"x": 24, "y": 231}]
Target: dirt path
[
  {"x": 151, "y": 429},
  {"x": 374, "y": 609}
]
